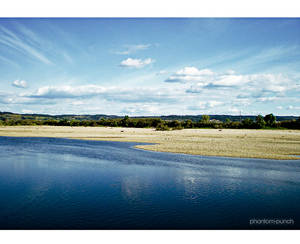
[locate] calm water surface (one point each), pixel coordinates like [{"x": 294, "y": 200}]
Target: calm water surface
[{"x": 50, "y": 183}]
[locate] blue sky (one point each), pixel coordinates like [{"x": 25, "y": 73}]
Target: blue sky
[{"x": 150, "y": 66}]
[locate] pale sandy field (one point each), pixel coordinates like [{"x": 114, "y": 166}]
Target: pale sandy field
[{"x": 269, "y": 144}]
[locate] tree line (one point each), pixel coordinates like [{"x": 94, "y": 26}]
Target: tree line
[{"x": 260, "y": 122}]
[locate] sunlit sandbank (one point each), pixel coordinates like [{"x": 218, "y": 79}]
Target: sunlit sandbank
[{"x": 267, "y": 144}]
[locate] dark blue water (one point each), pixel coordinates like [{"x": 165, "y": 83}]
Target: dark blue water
[{"x": 48, "y": 183}]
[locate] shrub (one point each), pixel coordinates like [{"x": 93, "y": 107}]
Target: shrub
[
  {"x": 162, "y": 127},
  {"x": 179, "y": 127}
]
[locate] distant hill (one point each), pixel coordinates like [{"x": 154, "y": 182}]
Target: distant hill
[{"x": 194, "y": 118}]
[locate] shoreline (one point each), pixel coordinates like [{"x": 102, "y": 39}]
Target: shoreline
[{"x": 236, "y": 143}]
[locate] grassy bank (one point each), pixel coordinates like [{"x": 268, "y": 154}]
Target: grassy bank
[{"x": 268, "y": 144}]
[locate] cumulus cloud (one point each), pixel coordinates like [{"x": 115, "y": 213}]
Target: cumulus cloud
[
  {"x": 221, "y": 93},
  {"x": 207, "y": 78},
  {"x": 202, "y": 79},
  {"x": 14, "y": 98},
  {"x": 19, "y": 83},
  {"x": 141, "y": 109},
  {"x": 192, "y": 71},
  {"x": 106, "y": 93},
  {"x": 56, "y": 92},
  {"x": 136, "y": 63},
  {"x": 230, "y": 72},
  {"x": 205, "y": 105},
  {"x": 190, "y": 74},
  {"x": 229, "y": 81}
]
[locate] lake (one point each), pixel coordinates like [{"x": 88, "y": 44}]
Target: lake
[{"x": 54, "y": 183}]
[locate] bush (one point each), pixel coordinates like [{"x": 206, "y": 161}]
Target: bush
[
  {"x": 179, "y": 127},
  {"x": 162, "y": 127}
]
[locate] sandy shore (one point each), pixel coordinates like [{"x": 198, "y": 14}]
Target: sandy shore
[{"x": 269, "y": 144}]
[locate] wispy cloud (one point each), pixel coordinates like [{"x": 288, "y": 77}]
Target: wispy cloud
[
  {"x": 291, "y": 107},
  {"x": 13, "y": 41},
  {"x": 130, "y": 49},
  {"x": 136, "y": 63},
  {"x": 267, "y": 58},
  {"x": 8, "y": 61},
  {"x": 161, "y": 72},
  {"x": 67, "y": 57}
]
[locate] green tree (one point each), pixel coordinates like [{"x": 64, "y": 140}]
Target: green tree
[
  {"x": 227, "y": 121},
  {"x": 75, "y": 122},
  {"x": 125, "y": 121},
  {"x": 205, "y": 118},
  {"x": 260, "y": 122},
  {"x": 188, "y": 124},
  {"x": 247, "y": 123},
  {"x": 174, "y": 123},
  {"x": 270, "y": 120}
]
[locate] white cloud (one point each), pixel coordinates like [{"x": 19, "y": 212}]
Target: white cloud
[
  {"x": 192, "y": 71},
  {"x": 78, "y": 103},
  {"x": 12, "y": 41},
  {"x": 179, "y": 98},
  {"x": 161, "y": 72},
  {"x": 212, "y": 104},
  {"x": 136, "y": 63},
  {"x": 20, "y": 83},
  {"x": 191, "y": 74},
  {"x": 266, "y": 99},
  {"x": 230, "y": 72},
  {"x": 113, "y": 94},
  {"x": 141, "y": 109},
  {"x": 197, "y": 88},
  {"x": 27, "y": 111},
  {"x": 129, "y": 49},
  {"x": 241, "y": 102},
  {"x": 233, "y": 110},
  {"x": 205, "y": 105},
  {"x": 201, "y": 79},
  {"x": 262, "y": 87},
  {"x": 291, "y": 107},
  {"x": 229, "y": 80}
]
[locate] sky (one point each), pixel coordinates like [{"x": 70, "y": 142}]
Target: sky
[{"x": 140, "y": 66}]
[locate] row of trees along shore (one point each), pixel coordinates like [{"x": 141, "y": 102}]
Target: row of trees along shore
[{"x": 266, "y": 122}]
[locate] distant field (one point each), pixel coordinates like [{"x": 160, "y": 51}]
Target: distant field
[{"x": 268, "y": 144}]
